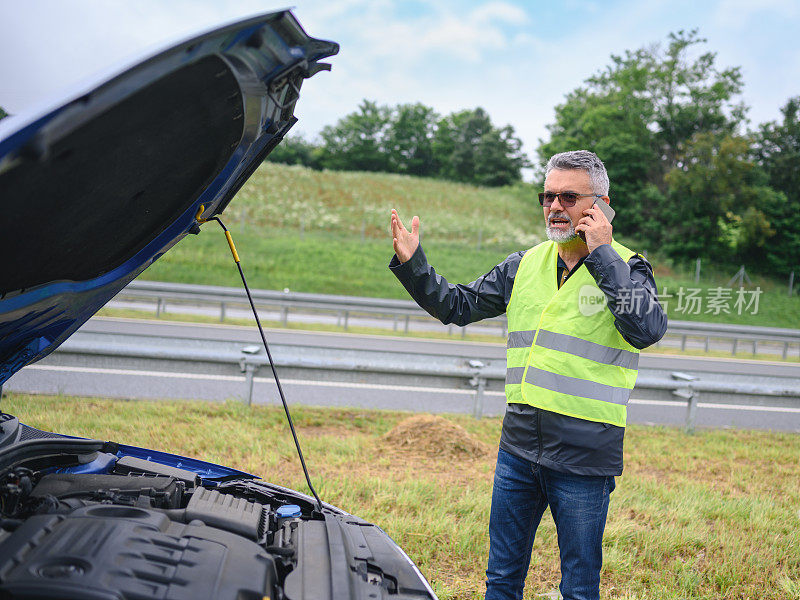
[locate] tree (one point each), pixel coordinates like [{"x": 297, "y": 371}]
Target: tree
[
  {"x": 295, "y": 150},
  {"x": 3, "y": 114},
  {"x": 409, "y": 140},
  {"x": 777, "y": 150},
  {"x": 457, "y": 136},
  {"x": 639, "y": 114},
  {"x": 499, "y": 158},
  {"x": 717, "y": 202},
  {"x": 357, "y": 142},
  {"x": 412, "y": 139},
  {"x": 468, "y": 148}
]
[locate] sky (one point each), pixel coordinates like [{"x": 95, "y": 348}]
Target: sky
[{"x": 517, "y": 59}]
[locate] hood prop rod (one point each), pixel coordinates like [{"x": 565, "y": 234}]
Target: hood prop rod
[{"x": 269, "y": 354}]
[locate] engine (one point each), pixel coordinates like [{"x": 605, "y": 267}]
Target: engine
[
  {"x": 90, "y": 525},
  {"x": 136, "y": 534}
]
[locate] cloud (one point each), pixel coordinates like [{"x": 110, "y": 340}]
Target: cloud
[
  {"x": 502, "y": 12},
  {"x": 515, "y": 58},
  {"x": 442, "y": 31},
  {"x": 738, "y": 14}
]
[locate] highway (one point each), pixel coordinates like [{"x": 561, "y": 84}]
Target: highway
[
  {"x": 250, "y": 335},
  {"x": 421, "y": 322},
  {"x": 141, "y": 381}
]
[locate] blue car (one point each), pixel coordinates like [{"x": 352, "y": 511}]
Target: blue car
[{"x": 93, "y": 189}]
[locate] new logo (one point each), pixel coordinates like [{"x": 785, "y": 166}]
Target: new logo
[{"x": 590, "y": 300}]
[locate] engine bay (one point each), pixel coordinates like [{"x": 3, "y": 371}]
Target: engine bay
[
  {"x": 137, "y": 535},
  {"x": 97, "y": 525}
]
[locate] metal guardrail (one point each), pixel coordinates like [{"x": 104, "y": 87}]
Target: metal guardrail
[
  {"x": 735, "y": 333},
  {"x": 400, "y": 311},
  {"x": 456, "y": 372},
  {"x": 403, "y": 311}
]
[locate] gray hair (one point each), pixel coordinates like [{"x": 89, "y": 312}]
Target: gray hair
[{"x": 585, "y": 161}]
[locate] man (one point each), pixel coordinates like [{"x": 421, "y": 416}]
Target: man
[{"x": 571, "y": 363}]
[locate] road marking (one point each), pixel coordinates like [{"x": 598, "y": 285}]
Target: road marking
[
  {"x": 380, "y": 386},
  {"x": 377, "y": 386},
  {"x": 749, "y": 361},
  {"x": 285, "y": 330},
  {"x": 280, "y": 330},
  {"x": 786, "y": 409},
  {"x": 101, "y": 371},
  {"x": 241, "y": 379}
]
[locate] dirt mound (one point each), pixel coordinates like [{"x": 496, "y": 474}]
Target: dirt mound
[{"x": 435, "y": 436}]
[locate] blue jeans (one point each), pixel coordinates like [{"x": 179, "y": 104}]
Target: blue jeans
[{"x": 579, "y": 505}]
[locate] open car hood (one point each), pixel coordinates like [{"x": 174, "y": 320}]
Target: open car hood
[{"x": 98, "y": 186}]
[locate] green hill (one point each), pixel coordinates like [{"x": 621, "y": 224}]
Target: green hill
[
  {"x": 328, "y": 232},
  {"x": 291, "y": 197}
]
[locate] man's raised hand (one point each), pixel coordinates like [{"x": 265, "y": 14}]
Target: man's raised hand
[{"x": 405, "y": 241}]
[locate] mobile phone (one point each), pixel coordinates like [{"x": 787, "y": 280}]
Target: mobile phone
[{"x": 607, "y": 211}]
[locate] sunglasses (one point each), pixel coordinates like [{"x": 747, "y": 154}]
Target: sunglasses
[{"x": 567, "y": 199}]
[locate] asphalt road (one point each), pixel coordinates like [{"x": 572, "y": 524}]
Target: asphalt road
[
  {"x": 722, "y": 368},
  {"x": 88, "y": 381},
  {"x": 422, "y": 324},
  {"x": 129, "y": 383}
]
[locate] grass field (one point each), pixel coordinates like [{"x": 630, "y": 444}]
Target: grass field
[
  {"x": 710, "y": 516},
  {"x": 327, "y": 232}
]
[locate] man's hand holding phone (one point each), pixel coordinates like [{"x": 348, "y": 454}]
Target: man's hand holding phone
[{"x": 595, "y": 226}]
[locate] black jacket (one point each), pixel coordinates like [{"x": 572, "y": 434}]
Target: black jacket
[{"x": 556, "y": 441}]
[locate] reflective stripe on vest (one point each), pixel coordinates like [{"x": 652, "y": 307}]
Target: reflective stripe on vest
[
  {"x": 520, "y": 339},
  {"x": 596, "y": 352},
  {"x": 577, "y": 387},
  {"x": 564, "y": 353},
  {"x": 514, "y": 375}
]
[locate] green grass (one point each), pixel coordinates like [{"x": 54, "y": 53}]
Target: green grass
[
  {"x": 326, "y": 262},
  {"x": 344, "y": 246},
  {"x": 347, "y": 203},
  {"x": 710, "y": 516},
  {"x": 322, "y": 262},
  {"x": 775, "y": 307}
]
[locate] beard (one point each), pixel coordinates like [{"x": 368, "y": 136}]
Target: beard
[{"x": 560, "y": 236}]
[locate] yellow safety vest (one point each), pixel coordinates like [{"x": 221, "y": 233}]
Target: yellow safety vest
[{"x": 564, "y": 353}]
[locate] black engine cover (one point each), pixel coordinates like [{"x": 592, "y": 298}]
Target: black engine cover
[{"x": 111, "y": 552}]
